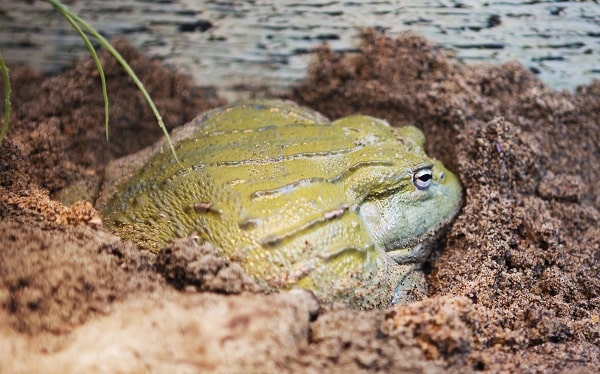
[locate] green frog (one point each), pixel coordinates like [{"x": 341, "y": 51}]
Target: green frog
[{"x": 348, "y": 209}]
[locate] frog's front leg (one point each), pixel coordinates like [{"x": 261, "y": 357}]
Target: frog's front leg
[{"x": 412, "y": 286}]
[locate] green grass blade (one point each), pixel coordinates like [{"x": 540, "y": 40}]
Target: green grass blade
[
  {"x": 4, "y": 71},
  {"x": 92, "y": 50},
  {"x": 106, "y": 44}
]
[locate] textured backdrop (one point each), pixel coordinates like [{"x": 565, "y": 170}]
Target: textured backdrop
[{"x": 239, "y": 45}]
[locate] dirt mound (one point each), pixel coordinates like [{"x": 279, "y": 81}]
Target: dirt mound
[{"x": 58, "y": 122}]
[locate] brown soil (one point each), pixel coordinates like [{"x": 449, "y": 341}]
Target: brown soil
[{"x": 516, "y": 286}]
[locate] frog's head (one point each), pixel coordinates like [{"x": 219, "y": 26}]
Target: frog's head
[{"x": 406, "y": 202}]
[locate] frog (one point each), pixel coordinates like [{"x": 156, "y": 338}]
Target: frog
[{"x": 349, "y": 209}]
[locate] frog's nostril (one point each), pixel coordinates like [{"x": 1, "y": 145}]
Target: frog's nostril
[{"x": 442, "y": 176}]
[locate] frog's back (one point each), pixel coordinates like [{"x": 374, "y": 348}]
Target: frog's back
[{"x": 255, "y": 114}]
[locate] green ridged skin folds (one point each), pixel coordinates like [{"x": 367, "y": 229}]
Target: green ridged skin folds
[{"x": 345, "y": 208}]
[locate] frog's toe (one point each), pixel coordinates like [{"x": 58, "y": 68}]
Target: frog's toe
[{"x": 412, "y": 287}]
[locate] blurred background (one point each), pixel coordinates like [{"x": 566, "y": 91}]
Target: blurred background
[{"x": 240, "y": 46}]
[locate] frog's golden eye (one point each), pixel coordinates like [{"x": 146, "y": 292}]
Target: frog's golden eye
[{"x": 422, "y": 178}]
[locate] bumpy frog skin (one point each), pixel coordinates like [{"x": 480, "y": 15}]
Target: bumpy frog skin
[{"x": 298, "y": 200}]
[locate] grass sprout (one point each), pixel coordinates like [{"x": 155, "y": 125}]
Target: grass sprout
[{"x": 5, "y": 77}]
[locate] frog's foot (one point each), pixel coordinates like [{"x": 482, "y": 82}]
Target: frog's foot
[{"x": 412, "y": 287}]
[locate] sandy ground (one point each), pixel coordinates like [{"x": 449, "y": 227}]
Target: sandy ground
[{"x": 515, "y": 287}]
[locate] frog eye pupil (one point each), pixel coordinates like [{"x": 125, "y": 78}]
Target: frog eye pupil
[{"x": 422, "y": 179}]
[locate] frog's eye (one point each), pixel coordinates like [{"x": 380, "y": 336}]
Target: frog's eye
[{"x": 422, "y": 178}]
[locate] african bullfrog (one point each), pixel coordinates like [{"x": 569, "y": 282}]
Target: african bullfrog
[{"x": 347, "y": 208}]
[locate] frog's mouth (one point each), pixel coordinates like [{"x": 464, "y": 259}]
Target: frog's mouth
[
  {"x": 416, "y": 254},
  {"x": 419, "y": 249}
]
